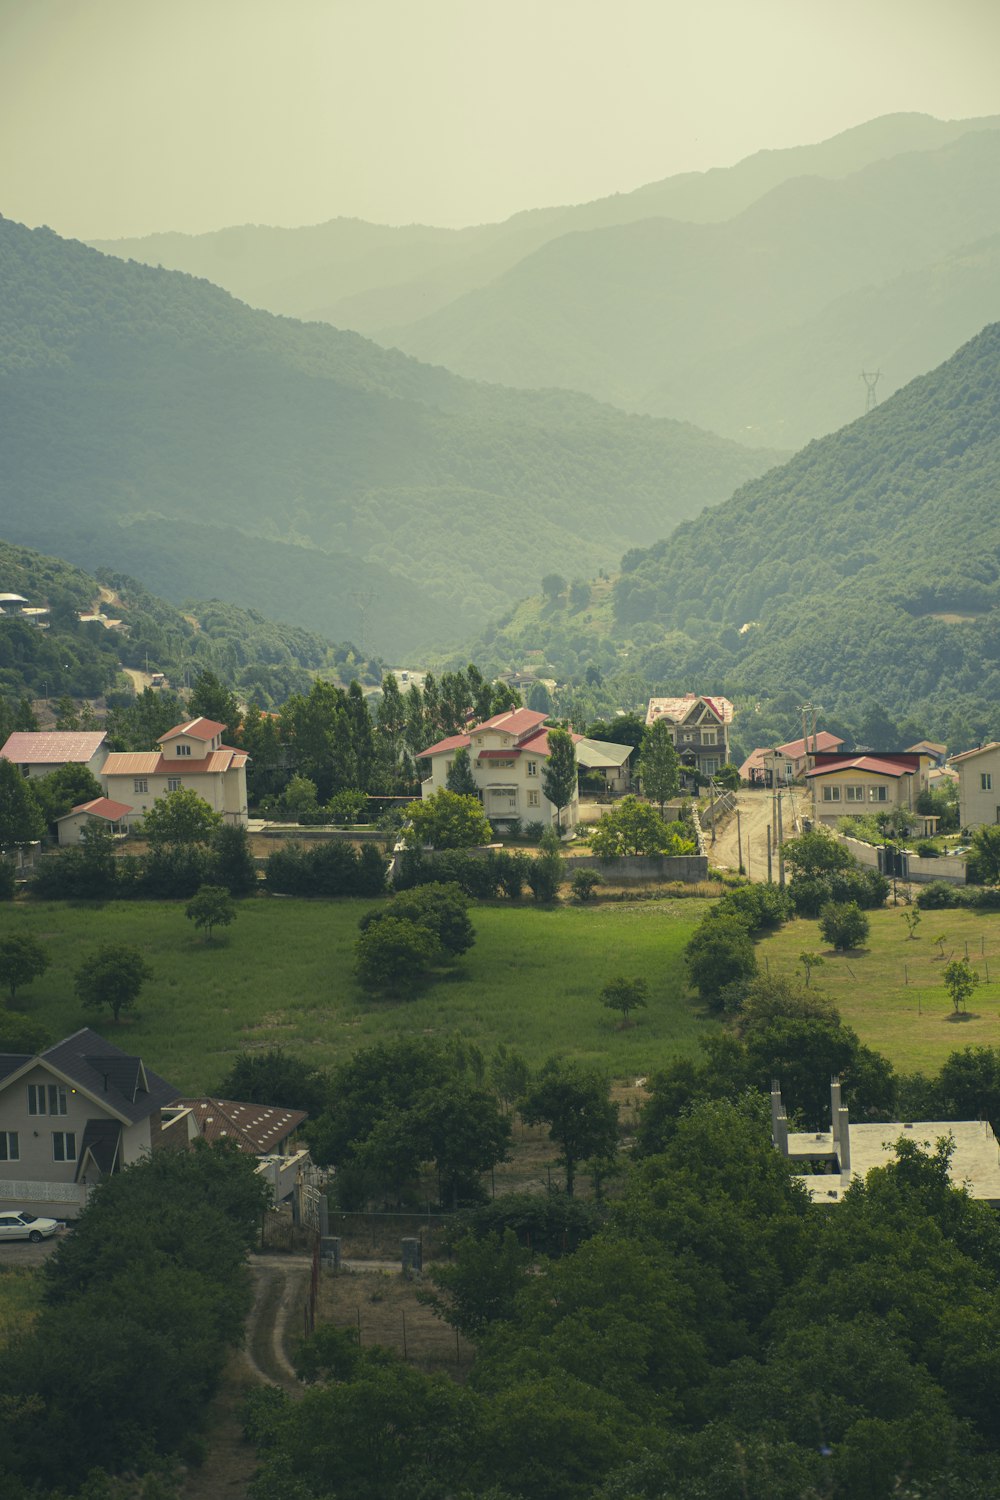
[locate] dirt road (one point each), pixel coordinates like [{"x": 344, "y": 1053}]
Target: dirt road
[{"x": 756, "y": 810}]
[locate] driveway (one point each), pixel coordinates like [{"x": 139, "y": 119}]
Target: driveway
[
  {"x": 756, "y": 809},
  {"x": 24, "y": 1253}
]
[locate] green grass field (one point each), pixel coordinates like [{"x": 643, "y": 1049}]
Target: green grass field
[
  {"x": 893, "y": 993},
  {"x": 281, "y": 975}
]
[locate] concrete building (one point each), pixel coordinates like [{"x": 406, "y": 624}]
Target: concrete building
[
  {"x": 507, "y": 756},
  {"x": 846, "y": 1153}
]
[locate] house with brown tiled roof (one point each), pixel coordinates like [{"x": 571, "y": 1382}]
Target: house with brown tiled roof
[
  {"x": 111, "y": 815},
  {"x": 866, "y": 783},
  {"x": 190, "y": 755},
  {"x": 266, "y": 1131},
  {"x": 785, "y": 763}
]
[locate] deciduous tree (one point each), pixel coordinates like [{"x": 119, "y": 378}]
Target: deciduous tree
[
  {"x": 22, "y": 959},
  {"x": 180, "y": 817},
  {"x": 211, "y": 907},
  {"x": 112, "y": 977},
  {"x": 447, "y": 820},
  {"x": 659, "y": 766},
  {"x": 625, "y": 995},
  {"x": 633, "y": 827},
  {"x": 575, "y": 1103}
]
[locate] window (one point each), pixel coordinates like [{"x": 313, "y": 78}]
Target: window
[
  {"x": 878, "y": 794},
  {"x": 986, "y": 781},
  {"x": 854, "y": 793},
  {"x": 831, "y": 794},
  {"x": 63, "y": 1145},
  {"x": 173, "y": 783},
  {"x": 532, "y": 768},
  {"x": 9, "y": 1148},
  {"x": 533, "y": 799},
  {"x": 711, "y": 765},
  {"x": 183, "y": 749},
  {"x": 46, "y": 1099},
  {"x": 708, "y": 737},
  {"x": 140, "y": 784}
]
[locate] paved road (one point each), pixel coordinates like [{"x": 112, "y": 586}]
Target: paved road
[{"x": 756, "y": 810}]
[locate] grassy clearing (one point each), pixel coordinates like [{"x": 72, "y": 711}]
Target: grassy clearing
[
  {"x": 20, "y": 1298},
  {"x": 385, "y": 1310},
  {"x": 282, "y": 975},
  {"x": 893, "y": 993}
]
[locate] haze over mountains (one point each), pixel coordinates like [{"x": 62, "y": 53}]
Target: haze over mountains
[
  {"x": 152, "y": 424},
  {"x": 745, "y": 299}
]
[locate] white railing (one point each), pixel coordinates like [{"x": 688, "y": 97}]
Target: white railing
[{"x": 71, "y": 1193}]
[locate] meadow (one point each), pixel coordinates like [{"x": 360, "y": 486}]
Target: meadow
[
  {"x": 281, "y": 975},
  {"x": 892, "y": 991}
]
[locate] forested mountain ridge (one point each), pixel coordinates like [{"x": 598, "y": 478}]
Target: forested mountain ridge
[
  {"x": 372, "y": 277},
  {"x": 864, "y": 571},
  {"x": 700, "y": 319},
  {"x": 75, "y": 658},
  {"x": 152, "y": 423}
]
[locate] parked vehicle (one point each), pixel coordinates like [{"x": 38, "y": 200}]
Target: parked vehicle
[{"x": 25, "y": 1226}]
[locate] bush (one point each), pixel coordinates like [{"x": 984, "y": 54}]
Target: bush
[
  {"x": 938, "y": 895},
  {"x": 442, "y": 909},
  {"x": 584, "y": 883},
  {"x": 333, "y": 869},
  {"x": 718, "y": 956},
  {"x": 545, "y": 875},
  {"x": 927, "y": 849},
  {"x": 7, "y": 880},
  {"x": 843, "y": 925},
  {"x": 763, "y": 908}
]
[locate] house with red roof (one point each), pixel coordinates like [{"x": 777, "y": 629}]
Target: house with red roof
[
  {"x": 112, "y": 815},
  {"x": 190, "y": 755},
  {"x": 699, "y": 728},
  {"x": 37, "y": 752},
  {"x": 507, "y": 756},
  {"x": 786, "y": 763},
  {"x": 866, "y": 783}
]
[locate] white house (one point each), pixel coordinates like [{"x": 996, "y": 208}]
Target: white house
[
  {"x": 190, "y": 755},
  {"x": 76, "y": 1113},
  {"x": 507, "y": 755},
  {"x": 978, "y": 785},
  {"x": 37, "y": 752}
]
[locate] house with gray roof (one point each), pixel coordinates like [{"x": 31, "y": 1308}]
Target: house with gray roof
[{"x": 76, "y": 1113}]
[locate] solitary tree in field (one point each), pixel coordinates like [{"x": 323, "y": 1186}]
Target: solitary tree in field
[
  {"x": 843, "y": 925},
  {"x": 912, "y": 920},
  {"x": 22, "y": 959},
  {"x": 625, "y": 995},
  {"x": 960, "y": 980},
  {"x": 212, "y": 906},
  {"x": 113, "y": 976},
  {"x": 810, "y": 961}
]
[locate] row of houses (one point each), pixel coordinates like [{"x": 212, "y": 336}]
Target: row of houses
[
  {"x": 84, "y": 1109},
  {"x": 190, "y": 755}
]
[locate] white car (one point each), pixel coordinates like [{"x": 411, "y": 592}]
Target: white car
[{"x": 25, "y": 1226}]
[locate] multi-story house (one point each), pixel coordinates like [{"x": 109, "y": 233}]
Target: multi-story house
[
  {"x": 699, "y": 728},
  {"x": 882, "y": 781},
  {"x": 190, "y": 755},
  {"x": 507, "y": 755},
  {"x": 978, "y": 785},
  {"x": 37, "y": 752}
]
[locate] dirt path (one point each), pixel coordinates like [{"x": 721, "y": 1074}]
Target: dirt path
[{"x": 756, "y": 812}]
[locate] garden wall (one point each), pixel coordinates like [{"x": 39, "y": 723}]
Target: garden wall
[
  {"x": 948, "y": 867},
  {"x": 688, "y": 868}
]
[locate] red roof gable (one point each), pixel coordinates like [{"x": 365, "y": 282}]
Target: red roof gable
[
  {"x": 198, "y": 729},
  {"x": 100, "y": 807},
  {"x": 881, "y": 765}
]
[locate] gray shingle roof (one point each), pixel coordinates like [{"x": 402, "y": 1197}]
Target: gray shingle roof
[{"x": 107, "y": 1072}]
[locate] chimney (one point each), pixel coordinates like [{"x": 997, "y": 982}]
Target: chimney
[
  {"x": 844, "y": 1140},
  {"x": 835, "y": 1108}
]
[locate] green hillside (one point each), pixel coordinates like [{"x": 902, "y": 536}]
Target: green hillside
[
  {"x": 85, "y": 659},
  {"x": 864, "y": 571},
  {"x": 757, "y": 326},
  {"x": 152, "y": 423},
  {"x": 374, "y": 277}
]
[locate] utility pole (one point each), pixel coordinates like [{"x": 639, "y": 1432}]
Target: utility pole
[
  {"x": 769, "y": 854},
  {"x": 781, "y": 840},
  {"x": 739, "y": 840}
]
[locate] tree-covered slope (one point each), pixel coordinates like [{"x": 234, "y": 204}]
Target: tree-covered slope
[
  {"x": 706, "y": 320},
  {"x": 83, "y": 659},
  {"x": 870, "y": 563},
  {"x": 151, "y": 422},
  {"x": 372, "y": 277}
]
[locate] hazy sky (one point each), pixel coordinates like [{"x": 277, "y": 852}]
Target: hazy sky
[{"x": 126, "y": 116}]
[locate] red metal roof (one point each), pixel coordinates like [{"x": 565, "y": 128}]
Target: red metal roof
[
  {"x": 453, "y": 742},
  {"x": 877, "y": 764},
  {"x": 152, "y": 763},
  {"x": 55, "y": 748},
  {"x": 100, "y": 807},
  {"x": 198, "y": 729},
  {"x": 795, "y": 749}
]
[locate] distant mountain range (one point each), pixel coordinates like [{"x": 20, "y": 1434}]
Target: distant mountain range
[
  {"x": 151, "y": 423},
  {"x": 746, "y": 299}
]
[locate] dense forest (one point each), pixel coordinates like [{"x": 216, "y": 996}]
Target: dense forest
[
  {"x": 864, "y": 572},
  {"x": 152, "y": 424},
  {"x": 83, "y": 659}
]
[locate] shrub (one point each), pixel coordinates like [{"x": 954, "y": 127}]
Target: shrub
[
  {"x": 584, "y": 883},
  {"x": 763, "y": 908},
  {"x": 718, "y": 956},
  {"x": 927, "y": 849},
  {"x": 936, "y": 896},
  {"x": 6, "y": 880},
  {"x": 544, "y": 876},
  {"x": 843, "y": 925}
]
